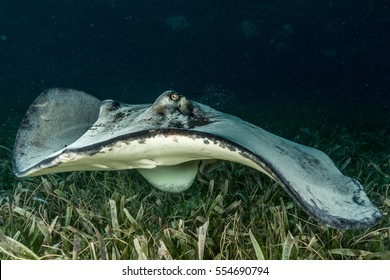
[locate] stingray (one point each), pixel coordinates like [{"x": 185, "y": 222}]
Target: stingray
[{"x": 170, "y": 141}]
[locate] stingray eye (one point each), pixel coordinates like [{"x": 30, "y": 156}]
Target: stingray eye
[{"x": 174, "y": 96}]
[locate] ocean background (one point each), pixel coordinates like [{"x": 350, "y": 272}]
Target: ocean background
[
  {"x": 314, "y": 72},
  {"x": 287, "y": 66}
]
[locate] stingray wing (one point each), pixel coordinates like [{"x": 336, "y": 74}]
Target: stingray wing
[
  {"x": 308, "y": 175},
  {"x": 57, "y": 118},
  {"x": 66, "y": 130}
]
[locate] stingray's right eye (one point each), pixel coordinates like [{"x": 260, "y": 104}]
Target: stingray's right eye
[{"x": 174, "y": 96}]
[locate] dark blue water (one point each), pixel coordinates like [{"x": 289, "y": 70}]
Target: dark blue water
[
  {"x": 275, "y": 63},
  {"x": 307, "y": 50},
  {"x": 290, "y": 66},
  {"x": 264, "y": 61}
]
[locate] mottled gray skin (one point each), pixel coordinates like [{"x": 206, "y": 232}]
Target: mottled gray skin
[
  {"x": 68, "y": 130},
  {"x": 56, "y": 119}
]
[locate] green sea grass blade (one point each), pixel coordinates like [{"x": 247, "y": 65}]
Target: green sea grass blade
[
  {"x": 15, "y": 249},
  {"x": 202, "y": 232},
  {"x": 256, "y": 246},
  {"x": 287, "y": 246}
]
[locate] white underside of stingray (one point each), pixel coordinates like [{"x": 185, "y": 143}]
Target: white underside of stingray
[{"x": 167, "y": 141}]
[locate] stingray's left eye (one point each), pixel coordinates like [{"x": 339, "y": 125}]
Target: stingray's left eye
[{"x": 174, "y": 96}]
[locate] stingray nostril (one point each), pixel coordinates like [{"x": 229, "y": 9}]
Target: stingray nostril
[{"x": 174, "y": 96}]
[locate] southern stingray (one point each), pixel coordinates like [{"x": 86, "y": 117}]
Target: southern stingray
[{"x": 169, "y": 141}]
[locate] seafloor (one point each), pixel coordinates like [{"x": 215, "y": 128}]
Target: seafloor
[{"x": 60, "y": 216}]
